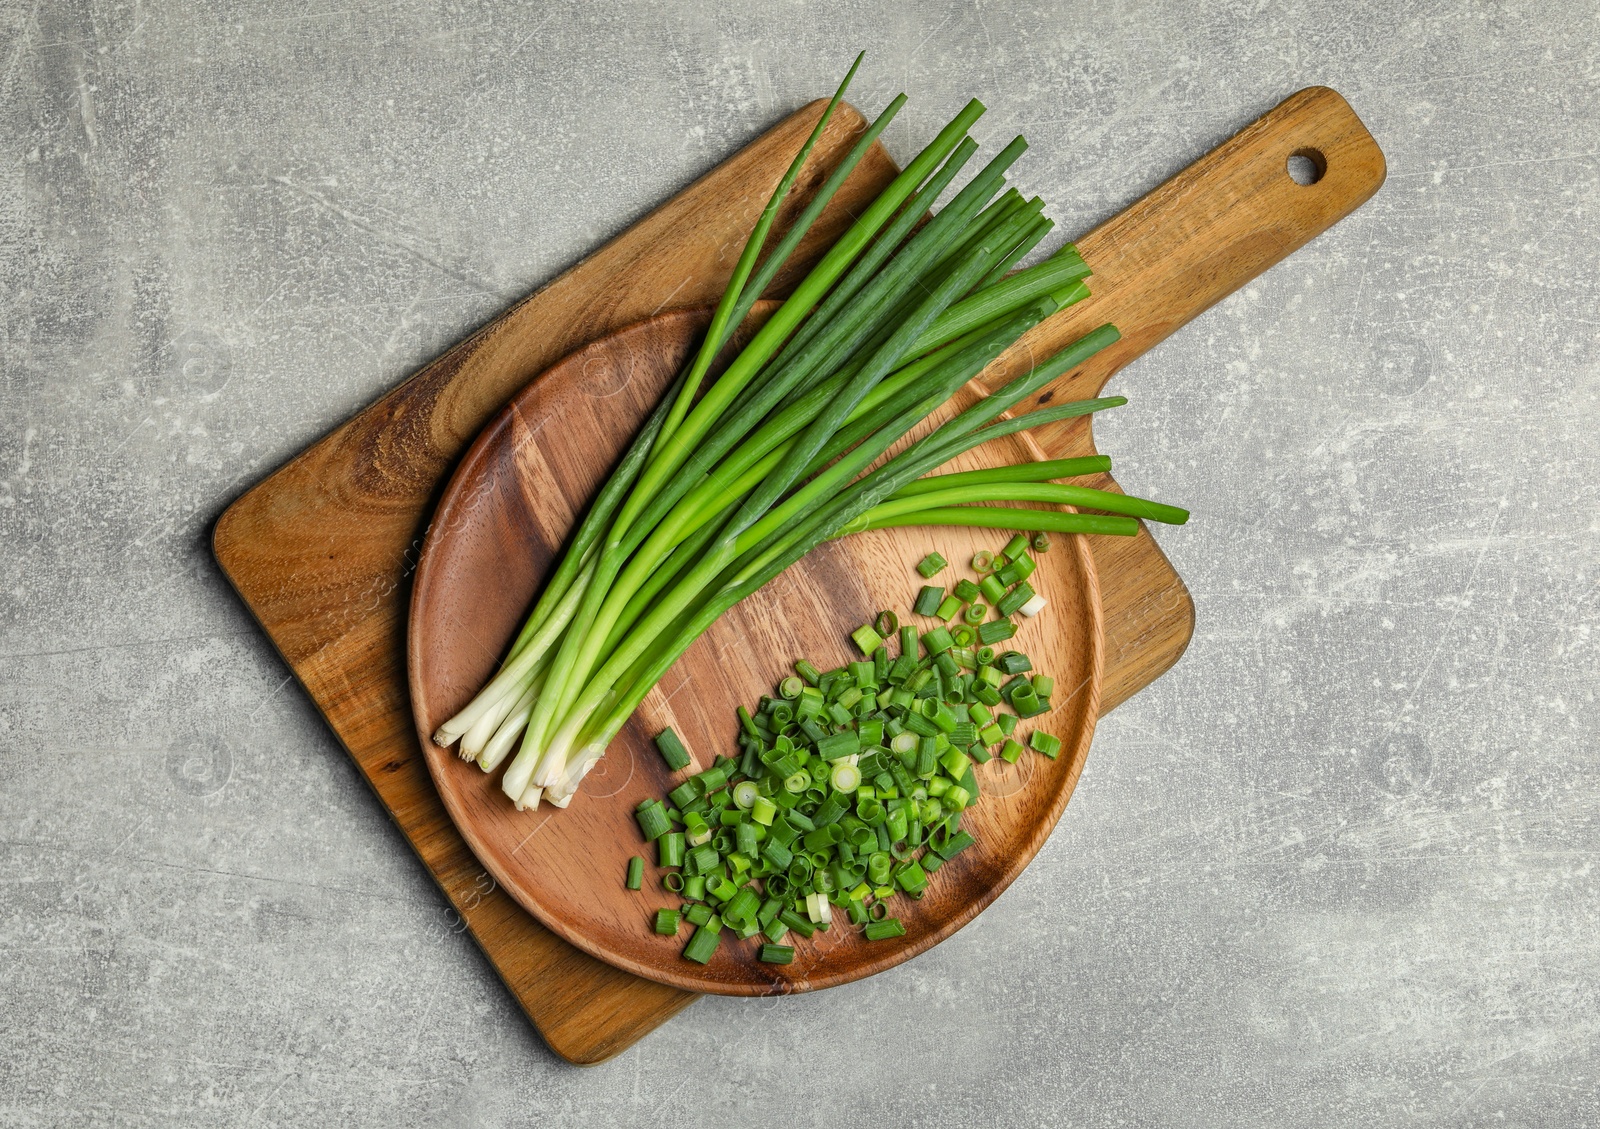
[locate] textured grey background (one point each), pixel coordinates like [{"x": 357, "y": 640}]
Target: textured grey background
[{"x": 1335, "y": 869}]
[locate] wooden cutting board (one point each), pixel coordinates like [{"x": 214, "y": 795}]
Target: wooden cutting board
[{"x": 322, "y": 551}]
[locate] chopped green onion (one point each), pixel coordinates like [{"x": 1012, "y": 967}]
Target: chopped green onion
[
  {"x": 741, "y": 907},
  {"x": 983, "y": 562},
  {"x": 948, "y": 607},
  {"x": 867, "y": 639},
  {"x": 776, "y": 954},
  {"x": 1020, "y": 568},
  {"x": 931, "y": 565},
  {"x": 635, "y": 873},
  {"x": 1014, "y": 662},
  {"x": 928, "y": 600},
  {"x": 703, "y": 945},
  {"x": 837, "y": 745},
  {"x": 653, "y": 821},
  {"x": 667, "y": 922},
  {"x": 672, "y": 750},
  {"x": 1014, "y": 599},
  {"x": 939, "y": 640},
  {"x": 996, "y": 631},
  {"x": 1046, "y": 743}
]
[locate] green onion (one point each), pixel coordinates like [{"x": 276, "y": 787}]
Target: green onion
[
  {"x": 869, "y": 780},
  {"x": 672, "y": 750},
  {"x": 703, "y": 945},
  {"x": 653, "y": 821},
  {"x": 635, "y": 873},
  {"x": 724, "y": 320},
  {"x": 776, "y": 954},
  {"x": 741, "y": 907},
  {"x": 893, "y": 516},
  {"x": 996, "y": 631},
  {"x": 1046, "y": 743},
  {"x": 1014, "y": 662},
  {"x": 1042, "y": 471},
  {"x": 883, "y": 930},
  {"x": 734, "y": 477},
  {"x": 867, "y": 638}
]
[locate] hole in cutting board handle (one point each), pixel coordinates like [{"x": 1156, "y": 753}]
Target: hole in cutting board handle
[{"x": 1306, "y": 166}]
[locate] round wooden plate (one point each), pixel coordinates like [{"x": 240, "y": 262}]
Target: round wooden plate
[{"x": 508, "y": 509}]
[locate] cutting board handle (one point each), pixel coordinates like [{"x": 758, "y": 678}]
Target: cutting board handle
[{"x": 1214, "y": 227}]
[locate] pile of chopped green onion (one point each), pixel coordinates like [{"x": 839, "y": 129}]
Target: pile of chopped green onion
[
  {"x": 851, "y": 784},
  {"x": 734, "y": 478}
]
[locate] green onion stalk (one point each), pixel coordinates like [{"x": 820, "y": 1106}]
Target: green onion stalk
[{"x": 731, "y": 479}]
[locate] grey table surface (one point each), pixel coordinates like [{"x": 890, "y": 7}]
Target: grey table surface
[{"x": 1337, "y": 868}]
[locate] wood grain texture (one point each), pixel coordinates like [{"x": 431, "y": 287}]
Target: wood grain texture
[
  {"x": 322, "y": 551},
  {"x": 499, "y": 528}
]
